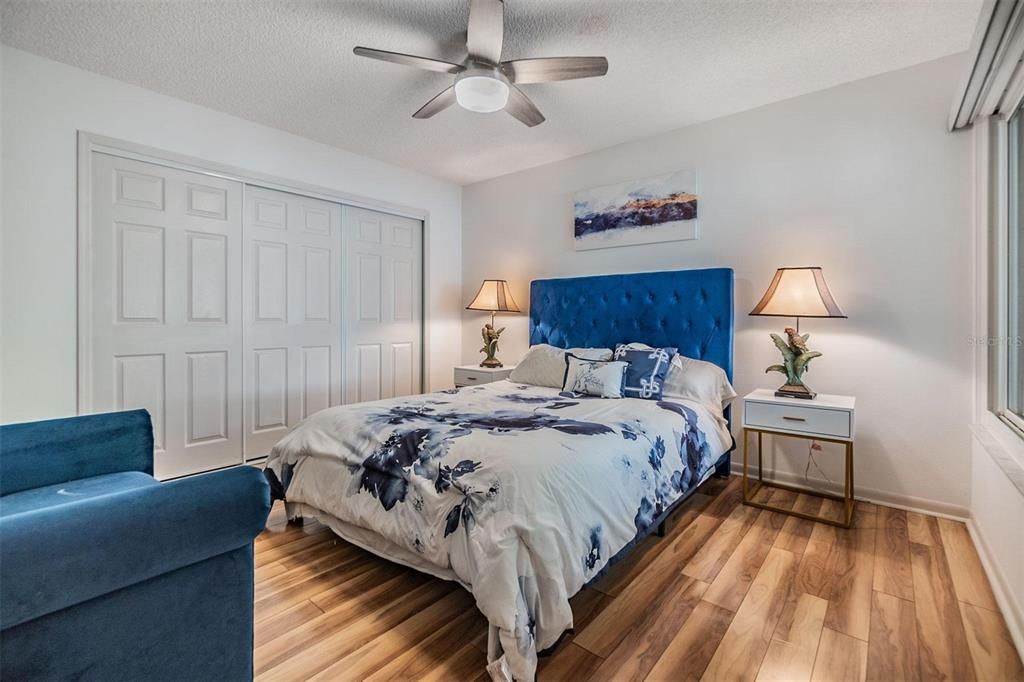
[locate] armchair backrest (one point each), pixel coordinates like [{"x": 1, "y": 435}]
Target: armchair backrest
[{"x": 37, "y": 454}]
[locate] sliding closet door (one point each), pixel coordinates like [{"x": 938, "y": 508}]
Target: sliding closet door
[
  {"x": 382, "y": 305},
  {"x": 292, "y": 313},
  {"x": 165, "y": 309}
]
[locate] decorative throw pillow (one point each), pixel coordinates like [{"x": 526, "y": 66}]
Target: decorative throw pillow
[
  {"x": 594, "y": 377},
  {"x": 694, "y": 379},
  {"x": 544, "y": 365},
  {"x": 645, "y": 376}
]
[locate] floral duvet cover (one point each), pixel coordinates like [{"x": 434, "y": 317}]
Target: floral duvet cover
[{"x": 522, "y": 493}]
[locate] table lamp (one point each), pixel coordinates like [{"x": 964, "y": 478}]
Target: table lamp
[
  {"x": 796, "y": 292},
  {"x": 494, "y": 297}
]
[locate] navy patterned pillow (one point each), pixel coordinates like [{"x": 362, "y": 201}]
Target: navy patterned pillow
[{"x": 645, "y": 375}]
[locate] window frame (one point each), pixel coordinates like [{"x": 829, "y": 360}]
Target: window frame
[{"x": 1005, "y": 274}]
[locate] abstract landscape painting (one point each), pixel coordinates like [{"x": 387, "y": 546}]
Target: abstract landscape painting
[{"x": 658, "y": 209}]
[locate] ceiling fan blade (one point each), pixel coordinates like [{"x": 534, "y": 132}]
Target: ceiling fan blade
[
  {"x": 486, "y": 30},
  {"x": 548, "y": 69},
  {"x": 441, "y": 102},
  {"x": 520, "y": 106},
  {"x": 409, "y": 60}
]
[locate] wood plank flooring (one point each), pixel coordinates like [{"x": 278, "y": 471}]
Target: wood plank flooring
[{"x": 731, "y": 593}]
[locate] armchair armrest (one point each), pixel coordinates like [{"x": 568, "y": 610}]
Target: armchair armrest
[
  {"x": 60, "y": 556},
  {"x": 38, "y": 454}
]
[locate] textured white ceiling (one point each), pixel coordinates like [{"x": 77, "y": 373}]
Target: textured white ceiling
[{"x": 289, "y": 64}]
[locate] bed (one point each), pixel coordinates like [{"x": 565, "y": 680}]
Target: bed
[{"x": 524, "y": 494}]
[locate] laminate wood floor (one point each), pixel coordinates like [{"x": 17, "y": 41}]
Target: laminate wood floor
[{"x": 731, "y": 593}]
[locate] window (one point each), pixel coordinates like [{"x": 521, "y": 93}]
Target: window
[{"x": 1012, "y": 402}]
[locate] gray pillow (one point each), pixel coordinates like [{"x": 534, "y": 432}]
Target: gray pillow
[{"x": 544, "y": 365}]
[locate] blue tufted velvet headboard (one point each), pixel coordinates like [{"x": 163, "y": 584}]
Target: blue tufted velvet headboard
[{"x": 689, "y": 309}]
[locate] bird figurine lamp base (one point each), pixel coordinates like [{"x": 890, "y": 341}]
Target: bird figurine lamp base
[
  {"x": 801, "y": 391},
  {"x": 490, "y": 348},
  {"x": 796, "y": 359}
]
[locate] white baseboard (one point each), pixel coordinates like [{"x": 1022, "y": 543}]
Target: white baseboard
[
  {"x": 1011, "y": 613},
  {"x": 915, "y": 504}
]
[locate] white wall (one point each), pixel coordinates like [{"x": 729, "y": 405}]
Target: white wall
[
  {"x": 862, "y": 180},
  {"x": 46, "y": 103},
  {"x": 997, "y": 517}
]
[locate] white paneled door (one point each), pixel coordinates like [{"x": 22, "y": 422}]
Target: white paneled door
[
  {"x": 165, "y": 308},
  {"x": 382, "y": 305},
  {"x": 292, "y": 305},
  {"x": 232, "y": 312}
]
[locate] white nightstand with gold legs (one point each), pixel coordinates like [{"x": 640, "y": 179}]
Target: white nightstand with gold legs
[{"x": 827, "y": 418}]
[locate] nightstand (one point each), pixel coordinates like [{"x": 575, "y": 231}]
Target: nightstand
[
  {"x": 471, "y": 375},
  {"x": 827, "y": 418}
]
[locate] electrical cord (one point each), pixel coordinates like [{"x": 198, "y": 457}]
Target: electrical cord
[{"x": 810, "y": 460}]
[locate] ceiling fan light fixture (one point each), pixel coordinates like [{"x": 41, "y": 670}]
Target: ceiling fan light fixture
[{"x": 481, "y": 92}]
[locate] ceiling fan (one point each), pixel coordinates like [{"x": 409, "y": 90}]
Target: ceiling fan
[{"x": 484, "y": 83}]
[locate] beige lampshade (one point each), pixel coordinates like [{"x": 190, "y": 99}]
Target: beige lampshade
[
  {"x": 494, "y": 296},
  {"x": 798, "y": 292}
]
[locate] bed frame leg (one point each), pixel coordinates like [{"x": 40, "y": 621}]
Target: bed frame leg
[
  {"x": 660, "y": 532},
  {"x": 723, "y": 469}
]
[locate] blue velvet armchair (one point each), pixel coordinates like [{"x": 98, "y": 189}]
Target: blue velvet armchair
[{"x": 108, "y": 574}]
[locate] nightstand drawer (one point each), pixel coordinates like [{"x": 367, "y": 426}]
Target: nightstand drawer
[
  {"x": 469, "y": 377},
  {"x": 797, "y": 418},
  {"x": 472, "y": 375}
]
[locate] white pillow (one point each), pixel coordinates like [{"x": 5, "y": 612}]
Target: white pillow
[
  {"x": 591, "y": 353},
  {"x": 697, "y": 380},
  {"x": 544, "y": 365},
  {"x": 594, "y": 377},
  {"x": 635, "y": 345}
]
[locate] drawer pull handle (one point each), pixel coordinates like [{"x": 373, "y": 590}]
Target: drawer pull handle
[
  {"x": 794, "y": 419},
  {"x": 470, "y": 378}
]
